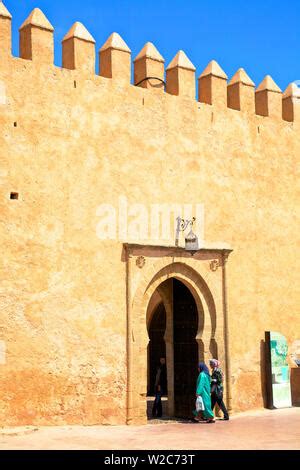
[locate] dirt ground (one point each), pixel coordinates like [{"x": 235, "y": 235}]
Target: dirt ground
[{"x": 262, "y": 429}]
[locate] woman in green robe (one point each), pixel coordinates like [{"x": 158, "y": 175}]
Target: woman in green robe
[{"x": 203, "y": 390}]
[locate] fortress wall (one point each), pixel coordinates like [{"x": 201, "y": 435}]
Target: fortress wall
[{"x": 70, "y": 141}]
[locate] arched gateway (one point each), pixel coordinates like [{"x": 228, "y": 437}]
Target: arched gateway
[
  {"x": 191, "y": 289},
  {"x": 183, "y": 351}
]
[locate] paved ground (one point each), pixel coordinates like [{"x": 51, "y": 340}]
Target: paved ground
[{"x": 263, "y": 429}]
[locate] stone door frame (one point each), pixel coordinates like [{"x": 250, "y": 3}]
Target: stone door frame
[{"x": 204, "y": 273}]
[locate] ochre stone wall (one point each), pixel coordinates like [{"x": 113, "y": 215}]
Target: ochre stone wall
[{"x": 70, "y": 141}]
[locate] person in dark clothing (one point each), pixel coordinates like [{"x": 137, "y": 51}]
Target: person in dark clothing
[
  {"x": 160, "y": 387},
  {"x": 217, "y": 387}
]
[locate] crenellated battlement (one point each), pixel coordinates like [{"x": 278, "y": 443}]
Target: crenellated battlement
[{"x": 179, "y": 77}]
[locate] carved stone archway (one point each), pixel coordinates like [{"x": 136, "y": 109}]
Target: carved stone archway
[{"x": 148, "y": 268}]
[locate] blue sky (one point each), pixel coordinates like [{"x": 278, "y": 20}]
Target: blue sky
[{"x": 261, "y": 36}]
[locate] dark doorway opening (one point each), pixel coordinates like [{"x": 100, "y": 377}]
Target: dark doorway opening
[
  {"x": 185, "y": 350},
  {"x": 157, "y": 345},
  {"x": 185, "y": 323}
]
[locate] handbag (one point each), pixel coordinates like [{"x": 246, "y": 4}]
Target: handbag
[{"x": 199, "y": 404}]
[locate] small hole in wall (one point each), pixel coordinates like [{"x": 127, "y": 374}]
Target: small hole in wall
[
  {"x": 75, "y": 84},
  {"x": 212, "y": 117},
  {"x": 15, "y": 124},
  {"x": 143, "y": 101},
  {"x": 258, "y": 130},
  {"x": 14, "y": 195}
]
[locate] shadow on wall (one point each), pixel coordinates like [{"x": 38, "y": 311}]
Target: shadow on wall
[
  {"x": 295, "y": 386},
  {"x": 213, "y": 347},
  {"x": 263, "y": 373},
  {"x": 200, "y": 350}
]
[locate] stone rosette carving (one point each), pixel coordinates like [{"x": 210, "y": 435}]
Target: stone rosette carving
[
  {"x": 214, "y": 264},
  {"x": 140, "y": 261}
]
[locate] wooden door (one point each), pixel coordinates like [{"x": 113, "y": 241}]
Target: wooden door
[{"x": 185, "y": 317}]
